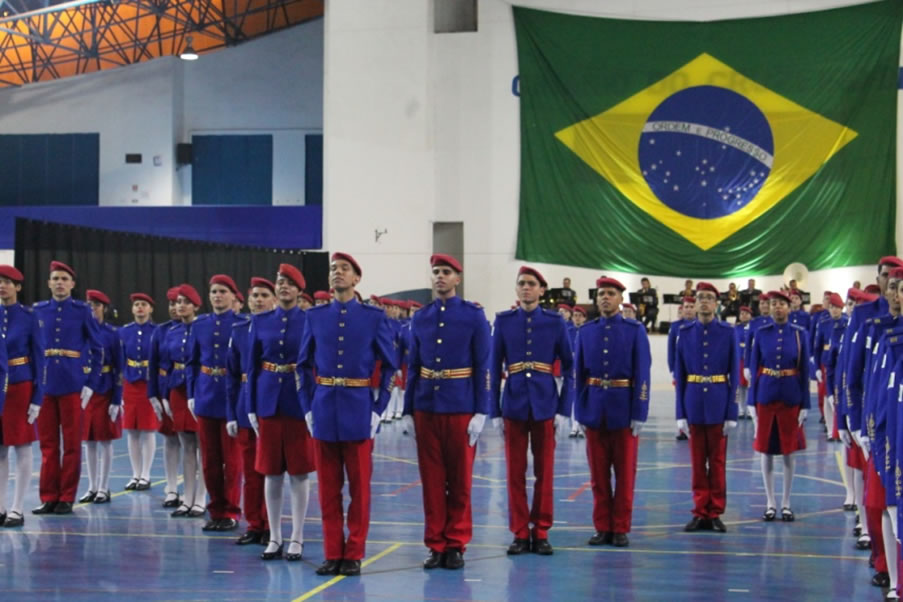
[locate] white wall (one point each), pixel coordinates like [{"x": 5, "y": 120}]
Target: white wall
[{"x": 422, "y": 127}]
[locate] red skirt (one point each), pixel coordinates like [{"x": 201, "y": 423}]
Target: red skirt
[
  {"x": 855, "y": 457},
  {"x": 778, "y": 431},
  {"x": 14, "y": 427},
  {"x": 284, "y": 445},
  {"x": 182, "y": 420},
  {"x": 137, "y": 412},
  {"x": 97, "y": 425},
  {"x": 743, "y": 381}
]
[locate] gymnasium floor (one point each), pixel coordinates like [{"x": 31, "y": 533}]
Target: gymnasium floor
[{"x": 131, "y": 548}]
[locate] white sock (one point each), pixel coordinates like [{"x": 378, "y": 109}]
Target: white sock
[
  {"x": 789, "y": 464},
  {"x": 300, "y": 494},
  {"x": 850, "y": 497},
  {"x": 829, "y": 418},
  {"x": 106, "y": 461},
  {"x": 172, "y": 449},
  {"x": 23, "y": 476},
  {"x": 4, "y": 476},
  {"x": 200, "y": 497},
  {"x": 91, "y": 460},
  {"x": 890, "y": 546},
  {"x": 859, "y": 489},
  {"x": 134, "y": 452},
  {"x": 272, "y": 492},
  {"x": 189, "y": 443},
  {"x": 148, "y": 443},
  {"x": 768, "y": 479}
]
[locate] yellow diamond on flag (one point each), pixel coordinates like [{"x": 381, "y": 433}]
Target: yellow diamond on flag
[{"x": 705, "y": 150}]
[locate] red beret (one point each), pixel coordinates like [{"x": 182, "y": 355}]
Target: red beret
[
  {"x": 322, "y": 295},
  {"x": 56, "y": 266},
  {"x": 794, "y": 291},
  {"x": 869, "y": 297},
  {"x": 239, "y": 296},
  {"x": 225, "y": 281},
  {"x": 349, "y": 259},
  {"x": 190, "y": 293},
  {"x": 873, "y": 289},
  {"x": 827, "y": 293},
  {"x": 404, "y": 304},
  {"x": 565, "y": 306},
  {"x": 308, "y": 298},
  {"x": 763, "y": 297},
  {"x": 525, "y": 269},
  {"x": 579, "y": 310},
  {"x": 96, "y": 296},
  {"x": 836, "y": 300},
  {"x": 854, "y": 293},
  {"x": 605, "y": 282},
  {"x": 141, "y": 297},
  {"x": 707, "y": 286},
  {"x": 688, "y": 299},
  {"x": 443, "y": 259},
  {"x": 746, "y": 309},
  {"x": 8, "y": 271},
  {"x": 779, "y": 295},
  {"x": 896, "y": 273},
  {"x": 172, "y": 293},
  {"x": 293, "y": 274},
  {"x": 257, "y": 281},
  {"x": 891, "y": 260},
  {"x": 628, "y": 306},
  {"x": 376, "y": 299},
  {"x": 415, "y": 304}
]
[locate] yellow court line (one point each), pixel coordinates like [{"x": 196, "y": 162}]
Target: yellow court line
[
  {"x": 338, "y": 578},
  {"x": 118, "y": 493}
]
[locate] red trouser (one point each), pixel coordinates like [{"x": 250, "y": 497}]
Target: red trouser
[
  {"x": 59, "y": 477},
  {"x": 708, "y": 450},
  {"x": 446, "y": 470},
  {"x": 254, "y": 503},
  {"x": 333, "y": 457},
  {"x": 606, "y": 449},
  {"x": 222, "y": 468},
  {"x": 875, "y": 503},
  {"x": 540, "y": 435}
]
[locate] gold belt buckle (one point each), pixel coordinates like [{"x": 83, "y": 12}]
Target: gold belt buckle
[
  {"x": 338, "y": 381},
  {"x": 528, "y": 365}
]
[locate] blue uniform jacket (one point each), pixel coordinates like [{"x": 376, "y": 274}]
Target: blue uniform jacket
[
  {"x": 538, "y": 336},
  {"x": 672, "y": 343},
  {"x": 814, "y": 324},
  {"x": 156, "y": 382},
  {"x": 344, "y": 340},
  {"x": 740, "y": 332},
  {"x": 615, "y": 348},
  {"x": 447, "y": 336},
  {"x": 830, "y": 335},
  {"x": 71, "y": 339},
  {"x": 237, "y": 379},
  {"x": 852, "y": 359},
  {"x": 174, "y": 356},
  {"x": 862, "y": 347},
  {"x": 275, "y": 337},
  {"x": 881, "y": 408},
  {"x": 136, "y": 342},
  {"x": 23, "y": 340},
  {"x": 754, "y": 325},
  {"x": 209, "y": 349},
  {"x": 801, "y": 318},
  {"x": 707, "y": 350},
  {"x": 110, "y": 376},
  {"x": 780, "y": 347}
]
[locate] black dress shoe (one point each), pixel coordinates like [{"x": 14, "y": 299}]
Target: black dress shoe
[
  {"x": 718, "y": 526},
  {"x": 881, "y": 579},
  {"x": 277, "y": 553},
  {"x": 210, "y": 525},
  {"x": 695, "y": 524},
  {"x": 519, "y": 546},
  {"x": 197, "y": 511},
  {"x": 849, "y": 507},
  {"x": 13, "y": 519},
  {"x": 619, "y": 540},
  {"x": 131, "y": 485},
  {"x": 181, "y": 511},
  {"x": 350, "y": 568},
  {"x": 329, "y": 567},
  {"x": 264, "y": 538},
  {"x": 248, "y": 537},
  {"x": 63, "y": 508},
  {"x": 542, "y": 547},
  {"x": 45, "y": 508},
  {"x": 172, "y": 500},
  {"x": 454, "y": 559},
  {"x": 434, "y": 560},
  {"x": 226, "y": 524},
  {"x": 601, "y": 538},
  {"x": 87, "y": 498},
  {"x": 296, "y": 556},
  {"x": 143, "y": 485},
  {"x": 864, "y": 543},
  {"x": 102, "y": 497},
  {"x": 681, "y": 436}
]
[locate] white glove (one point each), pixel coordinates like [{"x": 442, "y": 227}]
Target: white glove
[
  {"x": 818, "y": 375},
  {"x": 157, "y": 406},
  {"x": 475, "y": 427},
  {"x": 865, "y": 444},
  {"x": 498, "y": 423},
  {"x": 191, "y": 408},
  {"x": 683, "y": 427},
  {"x": 561, "y": 424},
  {"x": 728, "y": 425},
  {"x": 167, "y": 408},
  {"x": 747, "y": 375},
  {"x": 755, "y": 419},
  {"x": 86, "y": 396},
  {"x": 232, "y": 428},
  {"x": 830, "y": 399},
  {"x": 374, "y": 423},
  {"x": 309, "y": 419},
  {"x": 845, "y": 437},
  {"x": 407, "y": 425},
  {"x": 113, "y": 411},
  {"x": 636, "y": 426},
  {"x": 252, "y": 418},
  {"x": 33, "y": 411},
  {"x": 803, "y": 413}
]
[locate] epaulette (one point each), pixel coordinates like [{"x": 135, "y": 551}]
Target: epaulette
[
  {"x": 78, "y": 303},
  {"x": 507, "y": 312},
  {"x": 769, "y": 325},
  {"x": 201, "y": 318},
  {"x": 471, "y": 305},
  {"x": 255, "y": 317},
  {"x": 27, "y": 308},
  {"x": 316, "y": 308},
  {"x": 550, "y": 312},
  {"x": 633, "y": 322},
  {"x": 367, "y": 307},
  {"x": 241, "y": 322},
  {"x": 686, "y": 325},
  {"x": 40, "y": 303},
  {"x": 798, "y": 327}
]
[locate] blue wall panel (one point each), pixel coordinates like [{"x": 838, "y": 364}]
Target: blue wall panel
[
  {"x": 49, "y": 169},
  {"x": 232, "y": 170}
]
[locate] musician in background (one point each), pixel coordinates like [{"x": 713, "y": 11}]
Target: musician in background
[{"x": 647, "y": 311}]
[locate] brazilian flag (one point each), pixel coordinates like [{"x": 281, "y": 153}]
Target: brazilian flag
[{"x": 713, "y": 149}]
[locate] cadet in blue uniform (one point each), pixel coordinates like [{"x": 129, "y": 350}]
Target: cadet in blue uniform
[
  {"x": 208, "y": 351},
  {"x": 102, "y": 423},
  {"x": 740, "y": 331},
  {"x": 283, "y": 439},
  {"x": 527, "y": 341},
  {"x": 71, "y": 339},
  {"x": 826, "y": 342},
  {"x": 339, "y": 348},
  {"x": 139, "y": 418},
  {"x": 612, "y": 363},
  {"x": 799, "y": 316},
  {"x": 686, "y": 313},
  {"x": 707, "y": 370},
  {"x": 447, "y": 398},
  {"x": 262, "y": 298},
  {"x": 157, "y": 379},
  {"x": 779, "y": 397},
  {"x": 23, "y": 396},
  {"x": 757, "y": 322}
]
